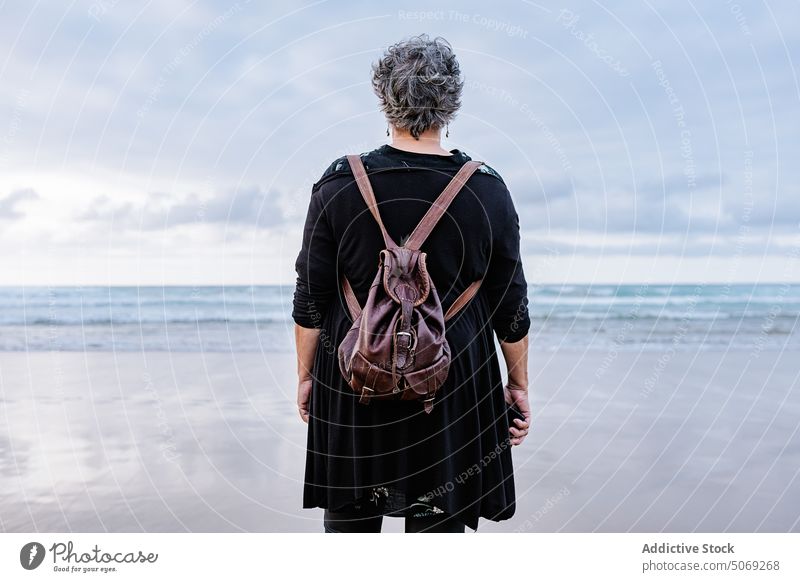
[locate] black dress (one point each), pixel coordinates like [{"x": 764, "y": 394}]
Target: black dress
[{"x": 456, "y": 459}]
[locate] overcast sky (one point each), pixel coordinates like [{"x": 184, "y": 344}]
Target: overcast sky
[{"x": 177, "y": 142}]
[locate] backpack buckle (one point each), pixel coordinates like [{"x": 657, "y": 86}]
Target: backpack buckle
[
  {"x": 412, "y": 340},
  {"x": 364, "y": 399},
  {"x": 427, "y": 403}
]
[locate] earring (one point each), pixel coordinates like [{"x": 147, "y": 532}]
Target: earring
[
  {"x": 387, "y": 131},
  {"x": 447, "y": 132}
]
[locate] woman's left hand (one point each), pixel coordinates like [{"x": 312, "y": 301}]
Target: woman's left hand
[{"x": 517, "y": 396}]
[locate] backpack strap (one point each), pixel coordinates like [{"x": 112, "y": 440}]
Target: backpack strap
[
  {"x": 440, "y": 205},
  {"x": 419, "y": 234},
  {"x": 462, "y": 300},
  {"x": 350, "y": 298},
  {"x": 357, "y": 166},
  {"x": 431, "y": 218}
]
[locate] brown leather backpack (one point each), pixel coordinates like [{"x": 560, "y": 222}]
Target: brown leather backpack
[{"x": 396, "y": 347}]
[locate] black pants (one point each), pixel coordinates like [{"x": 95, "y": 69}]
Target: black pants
[{"x": 353, "y": 520}]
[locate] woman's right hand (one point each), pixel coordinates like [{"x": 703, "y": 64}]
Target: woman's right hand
[
  {"x": 517, "y": 396},
  {"x": 304, "y": 398}
]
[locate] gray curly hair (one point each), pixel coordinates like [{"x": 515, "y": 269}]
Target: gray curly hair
[{"x": 418, "y": 82}]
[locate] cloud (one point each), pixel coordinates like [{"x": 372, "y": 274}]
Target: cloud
[
  {"x": 245, "y": 207},
  {"x": 679, "y": 184},
  {"x": 267, "y": 94},
  {"x": 712, "y": 204},
  {"x": 742, "y": 244},
  {"x": 8, "y": 205}
]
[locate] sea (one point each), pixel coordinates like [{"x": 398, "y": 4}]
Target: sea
[{"x": 751, "y": 316}]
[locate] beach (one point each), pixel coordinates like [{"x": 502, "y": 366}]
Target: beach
[{"x": 623, "y": 440}]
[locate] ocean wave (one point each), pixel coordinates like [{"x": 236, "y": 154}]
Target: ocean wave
[
  {"x": 654, "y": 315},
  {"x": 250, "y": 318}
]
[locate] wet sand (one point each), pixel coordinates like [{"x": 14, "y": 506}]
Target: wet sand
[{"x": 631, "y": 441}]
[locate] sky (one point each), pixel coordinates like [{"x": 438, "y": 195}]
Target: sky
[{"x": 176, "y": 142}]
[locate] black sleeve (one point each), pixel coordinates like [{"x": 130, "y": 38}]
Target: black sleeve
[
  {"x": 315, "y": 267},
  {"x": 504, "y": 284}
]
